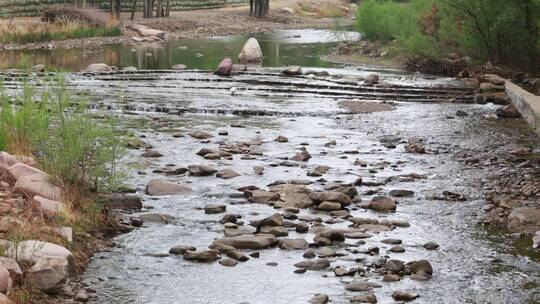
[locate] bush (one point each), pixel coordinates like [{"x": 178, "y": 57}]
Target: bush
[
  {"x": 57, "y": 128},
  {"x": 498, "y": 30}
]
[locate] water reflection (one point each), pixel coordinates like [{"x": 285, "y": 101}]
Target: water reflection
[{"x": 290, "y": 47}]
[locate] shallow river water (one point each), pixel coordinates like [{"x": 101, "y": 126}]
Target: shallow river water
[{"x": 471, "y": 265}]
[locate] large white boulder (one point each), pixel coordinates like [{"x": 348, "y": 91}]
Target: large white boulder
[
  {"x": 20, "y": 170},
  {"x": 49, "y": 274},
  {"x": 32, "y": 251},
  {"x": 251, "y": 53},
  {"x": 37, "y": 184}
]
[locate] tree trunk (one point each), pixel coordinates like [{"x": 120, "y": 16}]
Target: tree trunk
[
  {"x": 133, "y": 9},
  {"x": 118, "y": 9},
  {"x": 168, "y": 9}
]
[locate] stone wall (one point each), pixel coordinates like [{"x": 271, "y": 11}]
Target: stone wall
[
  {"x": 27, "y": 8},
  {"x": 527, "y": 104}
]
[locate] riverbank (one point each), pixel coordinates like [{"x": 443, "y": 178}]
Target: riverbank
[{"x": 200, "y": 24}]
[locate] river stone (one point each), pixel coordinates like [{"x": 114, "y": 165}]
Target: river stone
[
  {"x": 160, "y": 187},
  {"x": 329, "y": 206},
  {"x": 179, "y": 67},
  {"x": 536, "y": 239},
  {"x": 228, "y": 262},
  {"x": 97, "y": 68},
  {"x": 181, "y": 249},
  {"x": 277, "y": 231},
  {"x": 203, "y": 256},
  {"x": 342, "y": 271},
  {"x": 292, "y": 71},
  {"x": 318, "y": 264},
  {"x": 49, "y": 274},
  {"x": 200, "y": 134},
  {"x": 302, "y": 227},
  {"x": 319, "y": 299},
  {"x": 201, "y": 170},
  {"x": 251, "y": 52},
  {"x": 227, "y": 174},
  {"x": 262, "y": 196},
  {"x": 159, "y": 218},
  {"x": 123, "y": 202},
  {"x": 397, "y": 249},
  {"x": 236, "y": 255},
  {"x": 239, "y": 231},
  {"x": 365, "y": 298},
  {"x": 359, "y": 286},
  {"x": 151, "y": 154},
  {"x": 394, "y": 265},
  {"x": 275, "y": 219},
  {"x": 281, "y": 139},
  {"x": 392, "y": 241},
  {"x": 420, "y": 267},
  {"x": 382, "y": 204},
  {"x": 254, "y": 242},
  {"x": 404, "y": 296},
  {"x": 293, "y": 244},
  {"x": 508, "y": 111},
  {"x": 401, "y": 193},
  {"x": 326, "y": 252},
  {"x": 371, "y": 79},
  {"x": 431, "y": 246},
  {"x": 214, "y": 209},
  {"x": 357, "y": 235},
  {"x": 330, "y": 196},
  {"x": 224, "y": 68},
  {"x": 391, "y": 278},
  {"x": 333, "y": 235},
  {"x": 301, "y": 156}
]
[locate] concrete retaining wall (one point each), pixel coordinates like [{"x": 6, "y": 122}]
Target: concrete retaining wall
[
  {"x": 527, "y": 104},
  {"x": 28, "y": 8}
]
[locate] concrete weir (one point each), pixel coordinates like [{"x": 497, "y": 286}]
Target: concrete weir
[{"x": 527, "y": 104}]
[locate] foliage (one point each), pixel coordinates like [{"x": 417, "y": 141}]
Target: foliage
[
  {"x": 60, "y": 30},
  {"x": 56, "y": 127},
  {"x": 498, "y": 30}
]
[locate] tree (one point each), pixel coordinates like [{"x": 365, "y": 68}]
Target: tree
[{"x": 259, "y": 8}]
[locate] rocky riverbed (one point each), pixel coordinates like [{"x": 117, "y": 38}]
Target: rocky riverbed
[{"x": 261, "y": 188}]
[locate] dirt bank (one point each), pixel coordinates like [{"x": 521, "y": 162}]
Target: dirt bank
[{"x": 201, "y": 23}]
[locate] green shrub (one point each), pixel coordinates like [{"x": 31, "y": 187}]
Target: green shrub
[
  {"x": 57, "y": 128},
  {"x": 497, "y": 30}
]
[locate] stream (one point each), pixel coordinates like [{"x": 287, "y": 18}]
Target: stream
[{"x": 471, "y": 265}]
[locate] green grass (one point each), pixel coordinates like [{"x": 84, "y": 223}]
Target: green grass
[
  {"x": 55, "y": 126},
  {"x": 58, "y": 31}
]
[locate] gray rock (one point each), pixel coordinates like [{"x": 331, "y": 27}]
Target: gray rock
[
  {"x": 227, "y": 174},
  {"x": 365, "y": 298},
  {"x": 319, "y": 299},
  {"x": 293, "y": 244},
  {"x": 203, "y": 256},
  {"x": 201, "y": 170},
  {"x": 214, "y": 209},
  {"x": 359, "y": 286},
  {"x": 254, "y": 242},
  {"x": 49, "y": 274},
  {"x": 159, "y": 187},
  {"x": 404, "y": 296},
  {"x": 181, "y": 249}
]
